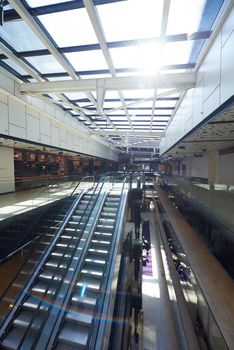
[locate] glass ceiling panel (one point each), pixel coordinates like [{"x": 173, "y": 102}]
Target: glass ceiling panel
[
  {"x": 54, "y": 97},
  {"x": 135, "y": 118},
  {"x": 15, "y": 67},
  {"x": 131, "y": 19},
  {"x": 112, "y": 104},
  {"x": 112, "y": 94},
  {"x": 138, "y": 93},
  {"x": 184, "y": 16},
  {"x": 162, "y": 112},
  {"x": 141, "y": 123},
  {"x": 59, "y": 78},
  {"x": 126, "y": 74},
  {"x": 148, "y": 104},
  {"x": 19, "y": 35},
  {"x": 46, "y": 64},
  {"x": 76, "y": 95},
  {"x": 165, "y": 104},
  {"x": 144, "y": 57},
  {"x": 37, "y": 3},
  {"x": 87, "y": 60},
  {"x": 78, "y": 29},
  {"x": 122, "y": 118},
  {"x": 119, "y": 112},
  {"x": 95, "y": 76},
  {"x": 177, "y": 52},
  {"x": 163, "y": 119},
  {"x": 141, "y": 111}
]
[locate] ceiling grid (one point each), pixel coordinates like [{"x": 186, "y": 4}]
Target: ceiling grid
[{"x": 120, "y": 67}]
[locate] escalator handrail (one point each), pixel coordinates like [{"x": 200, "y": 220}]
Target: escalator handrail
[
  {"x": 101, "y": 300},
  {"x": 82, "y": 180},
  {"x": 39, "y": 265}
]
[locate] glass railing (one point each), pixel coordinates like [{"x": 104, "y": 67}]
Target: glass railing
[
  {"x": 34, "y": 253},
  {"x": 217, "y": 200},
  {"x": 39, "y": 192},
  {"x": 206, "y": 327}
]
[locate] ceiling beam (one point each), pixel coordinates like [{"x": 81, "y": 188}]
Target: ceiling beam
[
  {"x": 8, "y": 53},
  {"x": 10, "y": 15},
  {"x": 96, "y": 23},
  {"x": 38, "y": 30},
  {"x": 129, "y": 133},
  {"x": 25, "y": 15},
  {"x": 160, "y": 81},
  {"x": 119, "y": 44}
]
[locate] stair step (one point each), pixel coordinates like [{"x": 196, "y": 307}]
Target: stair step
[
  {"x": 104, "y": 228},
  {"x": 25, "y": 317},
  {"x": 84, "y": 301},
  {"x": 95, "y": 272},
  {"x": 73, "y": 335},
  {"x": 92, "y": 261},
  {"x": 13, "y": 339},
  {"x": 88, "y": 283},
  {"x": 32, "y": 303},
  {"x": 41, "y": 287},
  {"x": 101, "y": 243},
  {"x": 79, "y": 315},
  {"x": 98, "y": 252}
]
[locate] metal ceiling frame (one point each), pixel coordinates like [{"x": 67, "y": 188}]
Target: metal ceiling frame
[
  {"x": 118, "y": 44},
  {"x": 174, "y": 81},
  {"x": 177, "y": 83},
  {"x": 41, "y": 33}
]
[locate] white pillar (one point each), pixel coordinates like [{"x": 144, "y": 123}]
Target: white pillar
[
  {"x": 7, "y": 179},
  {"x": 213, "y": 167}
]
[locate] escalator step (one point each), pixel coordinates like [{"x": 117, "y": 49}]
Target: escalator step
[
  {"x": 90, "y": 260},
  {"x": 95, "y": 272},
  {"x": 25, "y": 317},
  {"x": 73, "y": 335},
  {"x": 100, "y": 243},
  {"x": 88, "y": 283},
  {"x": 13, "y": 339},
  {"x": 84, "y": 301},
  {"x": 80, "y": 316},
  {"x": 32, "y": 303},
  {"x": 99, "y": 252},
  {"x": 42, "y": 288}
]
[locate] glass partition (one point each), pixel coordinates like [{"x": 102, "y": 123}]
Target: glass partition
[{"x": 214, "y": 200}]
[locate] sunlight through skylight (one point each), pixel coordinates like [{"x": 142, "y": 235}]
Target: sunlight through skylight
[{"x": 132, "y": 19}]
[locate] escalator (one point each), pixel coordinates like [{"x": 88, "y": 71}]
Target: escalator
[
  {"x": 42, "y": 236},
  {"x": 17, "y": 232},
  {"x": 39, "y": 285},
  {"x": 61, "y": 303},
  {"x": 76, "y": 325}
]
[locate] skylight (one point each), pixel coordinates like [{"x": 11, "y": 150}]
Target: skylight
[{"x": 117, "y": 40}]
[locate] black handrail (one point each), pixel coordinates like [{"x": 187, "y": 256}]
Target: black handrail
[{"x": 82, "y": 180}]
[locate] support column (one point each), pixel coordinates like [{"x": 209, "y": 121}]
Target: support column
[
  {"x": 7, "y": 179},
  {"x": 213, "y": 167}
]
